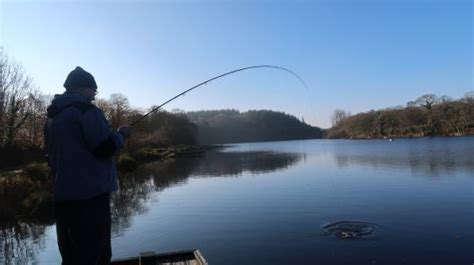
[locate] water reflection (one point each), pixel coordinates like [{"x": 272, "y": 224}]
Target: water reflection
[
  {"x": 21, "y": 242},
  {"x": 235, "y": 163},
  {"x": 129, "y": 201},
  {"x": 136, "y": 187},
  {"x": 429, "y": 157}
]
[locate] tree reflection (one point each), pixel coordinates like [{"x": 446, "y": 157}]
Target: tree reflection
[
  {"x": 136, "y": 188},
  {"x": 236, "y": 163},
  {"x": 435, "y": 160},
  {"x": 21, "y": 242}
]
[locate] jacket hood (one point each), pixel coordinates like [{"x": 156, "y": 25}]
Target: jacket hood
[{"x": 62, "y": 101}]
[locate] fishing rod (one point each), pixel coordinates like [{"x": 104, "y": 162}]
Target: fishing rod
[{"x": 217, "y": 77}]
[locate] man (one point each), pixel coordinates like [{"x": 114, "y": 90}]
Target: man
[{"x": 80, "y": 147}]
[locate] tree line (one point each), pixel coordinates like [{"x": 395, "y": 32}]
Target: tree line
[
  {"x": 428, "y": 115},
  {"x": 233, "y": 126}
]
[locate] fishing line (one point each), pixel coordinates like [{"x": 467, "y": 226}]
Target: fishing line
[{"x": 217, "y": 77}]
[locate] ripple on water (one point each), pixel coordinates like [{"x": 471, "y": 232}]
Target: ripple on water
[{"x": 349, "y": 229}]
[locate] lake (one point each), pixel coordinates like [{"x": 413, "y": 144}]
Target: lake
[{"x": 266, "y": 203}]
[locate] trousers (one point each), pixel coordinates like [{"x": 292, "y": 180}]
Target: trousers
[{"x": 83, "y": 229}]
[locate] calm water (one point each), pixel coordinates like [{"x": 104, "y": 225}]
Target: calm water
[{"x": 265, "y": 203}]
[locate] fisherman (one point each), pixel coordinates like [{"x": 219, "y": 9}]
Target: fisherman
[{"x": 80, "y": 147}]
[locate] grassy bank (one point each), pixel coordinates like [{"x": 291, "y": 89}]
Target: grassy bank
[
  {"x": 25, "y": 194},
  {"x": 131, "y": 160}
]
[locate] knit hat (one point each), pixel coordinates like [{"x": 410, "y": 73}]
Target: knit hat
[{"x": 79, "y": 78}]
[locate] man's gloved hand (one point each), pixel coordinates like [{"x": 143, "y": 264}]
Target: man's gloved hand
[{"x": 124, "y": 130}]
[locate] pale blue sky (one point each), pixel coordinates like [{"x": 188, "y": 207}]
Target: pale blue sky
[{"x": 354, "y": 55}]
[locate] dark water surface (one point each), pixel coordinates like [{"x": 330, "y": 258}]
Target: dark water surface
[{"x": 266, "y": 203}]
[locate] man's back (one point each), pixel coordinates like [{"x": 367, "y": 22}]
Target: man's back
[{"x": 74, "y": 131}]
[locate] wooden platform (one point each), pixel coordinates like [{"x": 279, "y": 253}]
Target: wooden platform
[{"x": 187, "y": 257}]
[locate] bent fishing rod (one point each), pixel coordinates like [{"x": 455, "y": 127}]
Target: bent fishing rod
[{"x": 217, "y": 77}]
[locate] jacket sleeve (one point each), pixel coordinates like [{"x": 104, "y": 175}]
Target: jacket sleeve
[
  {"x": 46, "y": 130},
  {"x": 100, "y": 139}
]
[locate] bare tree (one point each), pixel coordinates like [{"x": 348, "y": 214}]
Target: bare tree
[
  {"x": 444, "y": 99},
  {"x": 32, "y": 130},
  {"x": 119, "y": 109},
  {"x": 427, "y": 101},
  {"x": 469, "y": 96},
  {"x": 15, "y": 92},
  {"x": 338, "y": 116},
  {"x": 104, "y": 105}
]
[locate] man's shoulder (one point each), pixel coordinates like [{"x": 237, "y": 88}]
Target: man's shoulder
[{"x": 84, "y": 107}]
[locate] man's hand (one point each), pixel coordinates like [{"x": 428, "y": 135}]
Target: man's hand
[{"x": 124, "y": 130}]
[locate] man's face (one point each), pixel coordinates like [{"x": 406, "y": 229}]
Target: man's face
[{"x": 90, "y": 93}]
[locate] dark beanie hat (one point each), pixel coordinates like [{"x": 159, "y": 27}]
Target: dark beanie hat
[{"x": 78, "y": 78}]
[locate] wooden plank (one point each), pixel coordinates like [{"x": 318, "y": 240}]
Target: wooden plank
[
  {"x": 199, "y": 257},
  {"x": 188, "y": 257}
]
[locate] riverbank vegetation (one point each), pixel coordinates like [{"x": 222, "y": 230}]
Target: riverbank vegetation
[
  {"x": 25, "y": 195},
  {"x": 429, "y": 115}
]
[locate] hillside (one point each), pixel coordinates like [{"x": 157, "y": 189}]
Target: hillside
[{"x": 232, "y": 126}]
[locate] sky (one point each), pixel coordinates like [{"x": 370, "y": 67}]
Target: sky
[{"x": 354, "y": 55}]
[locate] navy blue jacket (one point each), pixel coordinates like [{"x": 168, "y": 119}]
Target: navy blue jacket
[{"x": 80, "y": 147}]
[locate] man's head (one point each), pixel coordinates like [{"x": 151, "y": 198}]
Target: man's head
[{"x": 81, "y": 82}]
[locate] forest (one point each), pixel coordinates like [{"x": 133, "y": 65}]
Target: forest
[
  {"x": 233, "y": 126},
  {"x": 428, "y": 115}
]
